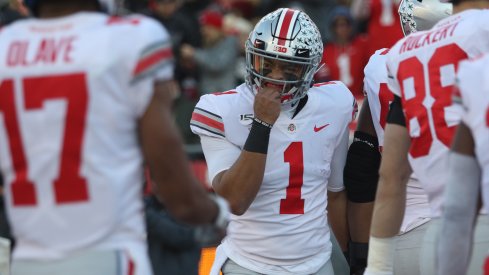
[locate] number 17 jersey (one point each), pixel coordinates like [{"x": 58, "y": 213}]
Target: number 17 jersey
[{"x": 72, "y": 90}]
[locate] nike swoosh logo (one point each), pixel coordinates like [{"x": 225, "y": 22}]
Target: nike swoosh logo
[{"x": 317, "y": 129}]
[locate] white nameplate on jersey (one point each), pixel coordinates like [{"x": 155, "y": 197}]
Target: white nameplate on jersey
[{"x": 246, "y": 119}]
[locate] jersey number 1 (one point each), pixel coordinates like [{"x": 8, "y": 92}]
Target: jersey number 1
[
  {"x": 69, "y": 186},
  {"x": 293, "y": 203}
]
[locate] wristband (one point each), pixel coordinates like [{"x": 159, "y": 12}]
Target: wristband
[
  {"x": 263, "y": 122},
  {"x": 381, "y": 256},
  {"x": 258, "y": 137}
]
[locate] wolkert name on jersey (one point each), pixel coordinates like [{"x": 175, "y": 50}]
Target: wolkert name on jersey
[{"x": 417, "y": 41}]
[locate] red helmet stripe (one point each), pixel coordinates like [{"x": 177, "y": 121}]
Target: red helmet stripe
[{"x": 285, "y": 21}]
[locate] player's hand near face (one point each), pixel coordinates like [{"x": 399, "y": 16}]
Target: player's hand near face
[{"x": 267, "y": 104}]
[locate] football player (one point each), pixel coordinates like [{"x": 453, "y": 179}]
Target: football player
[
  {"x": 84, "y": 101},
  {"x": 361, "y": 176},
  {"x": 467, "y": 169},
  {"x": 363, "y": 161},
  {"x": 422, "y": 121},
  {"x": 275, "y": 148}
]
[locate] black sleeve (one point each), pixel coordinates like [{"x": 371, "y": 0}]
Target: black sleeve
[
  {"x": 396, "y": 114},
  {"x": 361, "y": 172}
]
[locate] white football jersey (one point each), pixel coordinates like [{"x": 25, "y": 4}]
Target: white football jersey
[
  {"x": 422, "y": 69},
  {"x": 378, "y": 94},
  {"x": 286, "y": 225},
  {"x": 379, "y": 98},
  {"x": 72, "y": 90},
  {"x": 474, "y": 87}
]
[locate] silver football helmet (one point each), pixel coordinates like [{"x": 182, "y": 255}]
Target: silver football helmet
[
  {"x": 419, "y": 15},
  {"x": 290, "y": 38}
]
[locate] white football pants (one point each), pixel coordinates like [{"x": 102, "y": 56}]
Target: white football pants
[{"x": 480, "y": 246}]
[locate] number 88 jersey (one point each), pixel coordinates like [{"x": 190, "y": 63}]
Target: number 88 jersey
[{"x": 422, "y": 68}]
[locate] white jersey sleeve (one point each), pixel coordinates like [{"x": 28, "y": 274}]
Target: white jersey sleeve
[
  {"x": 377, "y": 91},
  {"x": 335, "y": 182},
  {"x": 470, "y": 85},
  {"x": 206, "y": 118},
  {"x": 207, "y": 122},
  {"x": 219, "y": 155},
  {"x": 153, "y": 62},
  {"x": 392, "y": 82}
]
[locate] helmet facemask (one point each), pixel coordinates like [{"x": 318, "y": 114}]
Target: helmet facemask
[
  {"x": 297, "y": 55},
  {"x": 298, "y": 72}
]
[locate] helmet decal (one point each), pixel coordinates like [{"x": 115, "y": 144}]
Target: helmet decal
[
  {"x": 284, "y": 30},
  {"x": 418, "y": 15}
]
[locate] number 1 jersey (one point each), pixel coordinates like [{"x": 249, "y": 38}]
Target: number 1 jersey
[{"x": 286, "y": 225}]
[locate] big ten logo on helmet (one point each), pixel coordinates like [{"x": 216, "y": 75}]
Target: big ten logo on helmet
[{"x": 280, "y": 49}]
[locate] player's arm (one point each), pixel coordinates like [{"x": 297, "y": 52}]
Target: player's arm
[
  {"x": 337, "y": 194},
  {"x": 337, "y": 217},
  {"x": 391, "y": 192},
  {"x": 241, "y": 182},
  {"x": 361, "y": 176},
  {"x": 460, "y": 205},
  {"x": 163, "y": 150}
]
